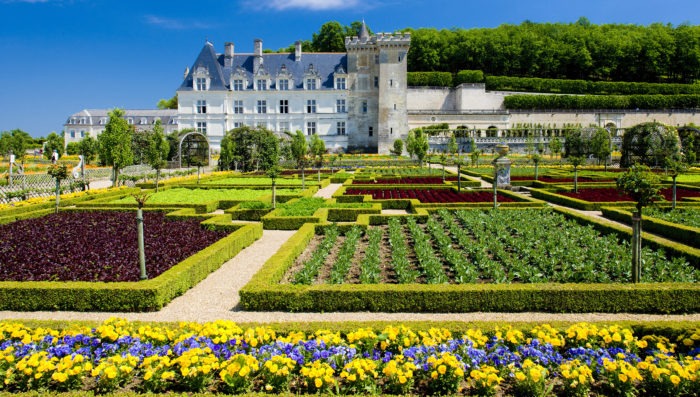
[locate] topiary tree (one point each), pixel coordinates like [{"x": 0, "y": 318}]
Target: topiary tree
[
  {"x": 675, "y": 166},
  {"x": 411, "y": 143},
  {"x": 600, "y": 145},
  {"x": 474, "y": 153},
  {"x": 141, "y": 199},
  {"x": 273, "y": 173},
  {"x": 156, "y": 151},
  {"x": 59, "y": 172},
  {"x": 300, "y": 149},
  {"x": 452, "y": 146},
  {"x": 421, "y": 146},
  {"x": 397, "y": 149},
  {"x": 555, "y": 146},
  {"x": 115, "y": 143},
  {"x": 643, "y": 186}
]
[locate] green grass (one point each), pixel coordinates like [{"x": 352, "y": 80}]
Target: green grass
[
  {"x": 306, "y": 206},
  {"x": 201, "y": 196},
  {"x": 257, "y": 181},
  {"x": 685, "y": 178}
]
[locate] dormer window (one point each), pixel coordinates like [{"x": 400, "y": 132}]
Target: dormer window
[
  {"x": 283, "y": 78},
  {"x": 283, "y": 85},
  {"x": 341, "y": 78},
  {"x": 143, "y": 121},
  {"x": 238, "y": 85},
  {"x": 261, "y": 85},
  {"x": 238, "y": 79},
  {"x": 311, "y": 78},
  {"x": 340, "y": 83},
  {"x": 201, "y": 79}
]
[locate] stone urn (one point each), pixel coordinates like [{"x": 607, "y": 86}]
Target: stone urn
[{"x": 502, "y": 149}]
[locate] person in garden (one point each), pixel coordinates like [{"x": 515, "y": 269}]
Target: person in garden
[{"x": 54, "y": 157}]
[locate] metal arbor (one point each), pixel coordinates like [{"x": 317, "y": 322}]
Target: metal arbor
[
  {"x": 649, "y": 144},
  {"x": 196, "y": 150}
]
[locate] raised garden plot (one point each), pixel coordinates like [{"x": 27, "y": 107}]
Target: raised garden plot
[
  {"x": 506, "y": 246},
  {"x": 306, "y": 206},
  {"x": 599, "y": 195},
  {"x": 406, "y": 181},
  {"x": 682, "y": 216},
  {"x": 96, "y": 246},
  {"x": 553, "y": 179},
  {"x": 202, "y": 196},
  {"x": 432, "y": 195},
  {"x": 403, "y": 171}
]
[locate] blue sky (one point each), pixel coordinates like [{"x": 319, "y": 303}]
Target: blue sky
[{"x": 58, "y": 57}]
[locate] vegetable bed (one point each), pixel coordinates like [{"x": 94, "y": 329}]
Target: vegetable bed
[
  {"x": 431, "y": 195},
  {"x": 429, "y": 180},
  {"x": 512, "y": 246},
  {"x": 96, "y": 246}
]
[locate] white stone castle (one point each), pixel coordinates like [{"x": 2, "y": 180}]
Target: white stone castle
[{"x": 357, "y": 100}]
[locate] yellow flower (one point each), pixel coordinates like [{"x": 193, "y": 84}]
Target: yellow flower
[
  {"x": 318, "y": 382},
  {"x": 442, "y": 369},
  {"x": 59, "y": 377},
  {"x": 520, "y": 376},
  {"x": 675, "y": 379}
]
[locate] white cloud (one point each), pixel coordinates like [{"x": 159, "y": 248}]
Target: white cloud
[
  {"x": 175, "y": 24},
  {"x": 26, "y": 1},
  {"x": 314, "y": 5}
]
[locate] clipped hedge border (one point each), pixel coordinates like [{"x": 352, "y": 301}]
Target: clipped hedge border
[
  {"x": 685, "y": 234},
  {"x": 89, "y": 196},
  {"x": 148, "y": 295},
  {"x": 273, "y": 221},
  {"x": 265, "y": 293}
]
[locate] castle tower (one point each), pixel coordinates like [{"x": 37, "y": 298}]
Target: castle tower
[{"x": 377, "y": 90}]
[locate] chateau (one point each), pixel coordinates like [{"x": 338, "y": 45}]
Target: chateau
[{"x": 356, "y": 100}]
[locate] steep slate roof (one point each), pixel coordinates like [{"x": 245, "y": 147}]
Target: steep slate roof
[{"x": 325, "y": 64}]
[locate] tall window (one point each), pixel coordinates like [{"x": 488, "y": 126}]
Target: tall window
[
  {"x": 376, "y": 82},
  {"x": 82, "y": 134},
  {"x": 201, "y": 84},
  {"x": 72, "y": 133},
  {"x": 340, "y": 128},
  {"x": 201, "y": 106},
  {"x": 311, "y": 128},
  {"x": 284, "y": 126},
  {"x": 238, "y": 106},
  {"x": 262, "y": 84},
  {"x": 340, "y": 106},
  {"x": 311, "y": 106},
  {"x": 238, "y": 85},
  {"x": 284, "y": 85},
  {"x": 364, "y": 106},
  {"x": 340, "y": 83},
  {"x": 310, "y": 84},
  {"x": 130, "y": 121},
  {"x": 371, "y": 131},
  {"x": 237, "y": 124},
  {"x": 202, "y": 127},
  {"x": 262, "y": 106},
  {"x": 284, "y": 106}
]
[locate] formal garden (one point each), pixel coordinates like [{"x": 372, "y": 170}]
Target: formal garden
[{"x": 426, "y": 236}]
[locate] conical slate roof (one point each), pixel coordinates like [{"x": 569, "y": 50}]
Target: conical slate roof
[{"x": 207, "y": 59}]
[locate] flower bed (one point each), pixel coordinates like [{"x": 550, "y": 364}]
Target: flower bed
[
  {"x": 221, "y": 357},
  {"x": 431, "y": 195},
  {"x": 480, "y": 247},
  {"x": 435, "y": 180},
  {"x": 202, "y": 196},
  {"x": 598, "y": 195},
  {"x": 96, "y": 246},
  {"x": 259, "y": 181}
]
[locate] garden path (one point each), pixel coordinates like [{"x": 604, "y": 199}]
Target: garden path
[
  {"x": 327, "y": 192},
  {"x": 217, "y": 298}
]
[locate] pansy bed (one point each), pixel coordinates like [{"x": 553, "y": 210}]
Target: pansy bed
[
  {"x": 88, "y": 260},
  {"x": 221, "y": 357},
  {"x": 470, "y": 260}
]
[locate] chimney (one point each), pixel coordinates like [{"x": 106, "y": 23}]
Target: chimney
[
  {"x": 297, "y": 51},
  {"x": 228, "y": 54},
  {"x": 258, "y": 55}
]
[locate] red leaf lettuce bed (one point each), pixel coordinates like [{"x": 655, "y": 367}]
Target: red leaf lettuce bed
[
  {"x": 611, "y": 194},
  {"x": 428, "y": 180},
  {"x": 96, "y": 246},
  {"x": 431, "y": 195}
]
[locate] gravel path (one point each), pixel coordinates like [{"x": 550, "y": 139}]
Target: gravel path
[{"x": 216, "y": 298}]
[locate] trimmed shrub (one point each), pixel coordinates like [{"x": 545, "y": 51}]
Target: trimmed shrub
[
  {"x": 469, "y": 77},
  {"x": 429, "y": 79}
]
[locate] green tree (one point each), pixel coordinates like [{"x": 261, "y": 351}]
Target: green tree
[
  {"x": 53, "y": 142},
  {"x": 397, "y": 148},
  {"x": 452, "y": 145},
  {"x": 330, "y": 38},
  {"x": 88, "y": 148},
  {"x": 17, "y": 142},
  {"x": 250, "y": 148},
  {"x": 576, "y": 162},
  {"x": 600, "y": 146},
  {"x": 168, "y": 103},
  {"x": 555, "y": 146},
  {"x": 643, "y": 186},
  {"x": 411, "y": 143},
  {"x": 317, "y": 149},
  {"x": 273, "y": 173},
  {"x": 115, "y": 143},
  {"x": 421, "y": 146},
  {"x": 675, "y": 165},
  {"x": 474, "y": 153},
  {"x": 157, "y": 150},
  {"x": 300, "y": 149}
]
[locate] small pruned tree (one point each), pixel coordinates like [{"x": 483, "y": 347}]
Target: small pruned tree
[
  {"x": 576, "y": 162},
  {"x": 452, "y": 146},
  {"x": 157, "y": 150},
  {"x": 87, "y": 147},
  {"x": 555, "y": 147},
  {"x": 397, "y": 149},
  {"x": 421, "y": 146},
  {"x": 58, "y": 172},
  {"x": 675, "y": 165},
  {"x": 411, "y": 144},
  {"x": 115, "y": 143},
  {"x": 474, "y": 153},
  {"x": 300, "y": 148},
  {"x": 643, "y": 186},
  {"x": 273, "y": 173},
  {"x": 536, "y": 158}
]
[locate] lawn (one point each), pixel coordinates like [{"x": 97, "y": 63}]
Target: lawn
[{"x": 202, "y": 196}]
